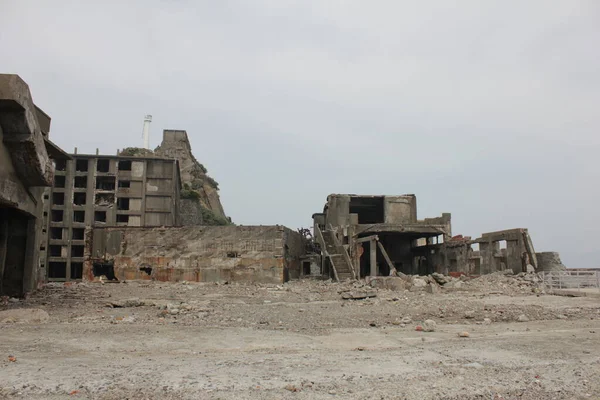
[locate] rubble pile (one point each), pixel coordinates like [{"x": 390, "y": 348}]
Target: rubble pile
[{"x": 505, "y": 282}]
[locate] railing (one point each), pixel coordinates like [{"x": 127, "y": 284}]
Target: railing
[{"x": 578, "y": 279}]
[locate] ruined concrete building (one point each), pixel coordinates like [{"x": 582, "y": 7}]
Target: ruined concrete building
[
  {"x": 137, "y": 188},
  {"x": 26, "y": 169},
  {"x": 99, "y": 190},
  {"x": 265, "y": 254},
  {"x": 381, "y": 235}
]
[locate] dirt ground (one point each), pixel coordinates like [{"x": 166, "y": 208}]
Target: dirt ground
[{"x": 300, "y": 340}]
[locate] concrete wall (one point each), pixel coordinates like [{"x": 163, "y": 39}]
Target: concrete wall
[
  {"x": 269, "y": 254},
  {"x": 400, "y": 209}
]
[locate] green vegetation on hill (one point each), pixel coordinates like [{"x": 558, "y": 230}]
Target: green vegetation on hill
[
  {"x": 208, "y": 216},
  {"x": 136, "y": 152}
]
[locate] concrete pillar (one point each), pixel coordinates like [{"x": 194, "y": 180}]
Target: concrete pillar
[{"x": 373, "y": 259}]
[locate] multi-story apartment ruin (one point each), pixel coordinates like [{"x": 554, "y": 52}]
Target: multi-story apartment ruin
[{"x": 99, "y": 190}]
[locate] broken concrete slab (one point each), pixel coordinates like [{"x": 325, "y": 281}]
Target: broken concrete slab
[{"x": 359, "y": 294}]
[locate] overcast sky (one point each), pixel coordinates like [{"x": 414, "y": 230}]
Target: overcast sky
[{"x": 488, "y": 110}]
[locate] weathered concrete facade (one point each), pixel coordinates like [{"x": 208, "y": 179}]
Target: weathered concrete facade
[
  {"x": 267, "y": 254},
  {"x": 100, "y": 190},
  {"x": 26, "y": 168},
  {"x": 376, "y": 235}
]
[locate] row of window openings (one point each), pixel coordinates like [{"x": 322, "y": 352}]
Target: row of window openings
[
  {"x": 102, "y": 199},
  {"x": 58, "y": 270},
  {"x": 102, "y": 165},
  {"x": 79, "y": 216},
  {"x": 58, "y": 233},
  {"x": 60, "y": 251},
  {"x": 102, "y": 182}
]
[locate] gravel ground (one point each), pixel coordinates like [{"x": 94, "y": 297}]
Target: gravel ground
[{"x": 300, "y": 340}]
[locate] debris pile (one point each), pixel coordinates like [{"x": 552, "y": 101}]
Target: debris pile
[{"x": 503, "y": 282}]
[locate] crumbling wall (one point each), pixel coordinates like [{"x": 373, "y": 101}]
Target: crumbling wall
[
  {"x": 293, "y": 250},
  {"x": 268, "y": 254},
  {"x": 400, "y": 209},
  {"x": 194, "y": 175},
  {"x": 517, "y": 254}
]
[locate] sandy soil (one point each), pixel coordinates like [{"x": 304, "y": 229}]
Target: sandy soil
[{"x": 298, "y": 341}]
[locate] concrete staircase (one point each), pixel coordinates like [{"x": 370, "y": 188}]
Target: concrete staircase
[{"x": 336, "y": 253}]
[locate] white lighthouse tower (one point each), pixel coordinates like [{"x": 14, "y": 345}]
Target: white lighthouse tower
[{"x": 146, "y": 131}]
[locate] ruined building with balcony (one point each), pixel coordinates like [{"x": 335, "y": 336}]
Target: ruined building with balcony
[{"x": 26, "y": 170}]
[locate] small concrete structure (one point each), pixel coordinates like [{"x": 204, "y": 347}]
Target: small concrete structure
[
  {"x": 377, "y": 235},
  {"x": 26, "y": 168},
  {"x": 265, "y": 254},
  {"x": 381, "y": 235}
]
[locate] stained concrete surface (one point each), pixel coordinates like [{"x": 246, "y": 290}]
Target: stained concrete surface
[{"x": 301, "y": 341}]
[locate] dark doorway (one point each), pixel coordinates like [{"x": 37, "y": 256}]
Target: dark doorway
[
  {"x": 106, "y": 269},
  {"x": 13, "y": 251},
  {"x": 306, "y": 268}
]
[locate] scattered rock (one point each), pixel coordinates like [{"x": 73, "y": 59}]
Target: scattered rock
[
  {"x": 406, "y": 320},
  {"x": 291, "y": 388},
  {"x": 432, "y": 288},
  {"x": 487, "y": 321},
  {"x": 469, "y": 314},
  {"x": 463, "y": 334},
  {"x": 24, "y": 315},
  {"x": 441, "y": 279},
  {"x": 429, "y": 325},
  {"x": 475, "y": 365},
  {"x": 419, "y": 282},
  {"x": 523, "y": 318}
]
